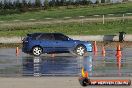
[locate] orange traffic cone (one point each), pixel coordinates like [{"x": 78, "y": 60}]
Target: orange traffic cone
[
  {"x": 118, "y": 53},
  {"x": 17, "y": 51},
  {"x": 95, "y": 47},
  {"x": 103, "y": 52}
]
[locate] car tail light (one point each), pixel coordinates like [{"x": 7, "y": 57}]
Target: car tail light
[{"x": 26, "y": 41}]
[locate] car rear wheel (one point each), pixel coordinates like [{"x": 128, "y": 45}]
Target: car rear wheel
[
  {"x": 37, "y": 51},
  {"x": 80, "y": 50}
]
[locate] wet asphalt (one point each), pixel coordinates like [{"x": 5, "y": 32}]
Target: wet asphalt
[{"x": 65, "y": 64}]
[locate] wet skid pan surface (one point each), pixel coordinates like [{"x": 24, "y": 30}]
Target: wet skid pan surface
[
  {"x": 50, "y": 66},
  {"x": 65, "y": 64}
]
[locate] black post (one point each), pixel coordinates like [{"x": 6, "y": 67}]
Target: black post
[{"x": 121, "y": 36}]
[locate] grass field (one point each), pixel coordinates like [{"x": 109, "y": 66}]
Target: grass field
[
  {"x": 96, "y": 28},
  {"x": 72, "y": 12},
  {"x": 70, "y": 28}
]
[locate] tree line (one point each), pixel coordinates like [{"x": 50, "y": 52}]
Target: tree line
[{"x": 24, "y": 5}]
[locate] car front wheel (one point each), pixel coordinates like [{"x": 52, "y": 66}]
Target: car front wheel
[
  {"x": 80, "y": 50},
  {"x": 37, "y": 51}
]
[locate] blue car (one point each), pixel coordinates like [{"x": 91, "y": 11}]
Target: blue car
[{"x": 38, "y": 43}]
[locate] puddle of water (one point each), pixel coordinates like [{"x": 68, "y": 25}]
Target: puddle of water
[
  {"x": 50, "y": 66},
  {"x": 68, "y": 65}
]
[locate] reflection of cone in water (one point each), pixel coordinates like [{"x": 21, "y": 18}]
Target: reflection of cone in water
[
  {"x": 84, "y": 73},
  {"x": 119, "y": 64},
  {"x": 118, "y": 51},
  {"x": 17, "y": 51},
  {"x": 95, "y": 48},
  {"x": 103, "y": 52},
  {"x": 118, "y": 56},
  {"x": 52, "y": 55},
  {"x": 95, "y": 54}
]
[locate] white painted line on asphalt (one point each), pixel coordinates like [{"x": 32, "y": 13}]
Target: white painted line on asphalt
[
  {"x": 96, "y": 15},
  {"x": 110, "y": 14},
  {"x": 32, "y": 19},
  {"x": 129, "y": 13},
  {"x": 67, "y": 17},
  {"x": 48, "y": 18},
  {"x": 81, "y": 16}
]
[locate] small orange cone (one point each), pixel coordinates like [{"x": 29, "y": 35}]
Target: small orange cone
[
  {"x": 118, "y": 53},
  {"x": 103, "y": 52},
  {"x": 17, "y": 51}
]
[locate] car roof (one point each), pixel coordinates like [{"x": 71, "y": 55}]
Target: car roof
[{"x": 45, "y": 33}]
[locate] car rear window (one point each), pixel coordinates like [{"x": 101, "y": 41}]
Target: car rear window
[{"x": 34, "y": 36}]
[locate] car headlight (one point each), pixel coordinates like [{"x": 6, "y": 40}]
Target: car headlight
[{"x": 88, "y": 44}]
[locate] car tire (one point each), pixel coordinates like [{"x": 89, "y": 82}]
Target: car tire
[
  {"x": 80, "y": 50},
  {"x": 37, "y": 51}
]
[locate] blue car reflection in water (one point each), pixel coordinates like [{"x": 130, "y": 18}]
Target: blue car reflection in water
[
  {"x": 39, "y": 66},
  {"x": 58, "y": 66},
  {"x": 87, "y": 64},
  {"x": 28, "y": 66}
]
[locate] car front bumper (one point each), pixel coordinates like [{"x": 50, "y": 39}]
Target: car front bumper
[{"x": 89, "y": 47}]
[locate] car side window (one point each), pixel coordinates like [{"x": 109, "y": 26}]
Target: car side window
[
  {"x": 60, "y": 37},
  {"x": 35, "y": 36},
  {"x": 46, "y": 37}
]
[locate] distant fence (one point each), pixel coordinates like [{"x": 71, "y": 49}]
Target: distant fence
[
  {"x": 82, "y": 19},
  {"x": 76, "y": 37}
]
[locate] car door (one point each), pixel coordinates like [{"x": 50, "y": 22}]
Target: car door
[
  {"x": 47, "y": 42},
  {"x": 63, "y": 43}
]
